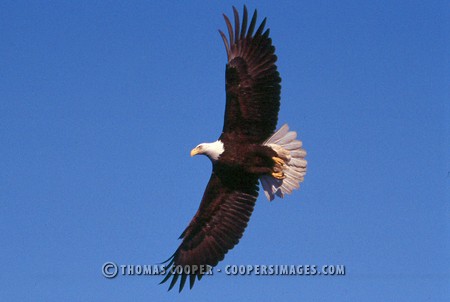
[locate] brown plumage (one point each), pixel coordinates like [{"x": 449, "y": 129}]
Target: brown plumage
[
  {"x": 252, "y": 82},
  {"x": 240, "y": 156}
]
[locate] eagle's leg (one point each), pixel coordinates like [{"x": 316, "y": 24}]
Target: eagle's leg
[{"x": 277, "y": 171}]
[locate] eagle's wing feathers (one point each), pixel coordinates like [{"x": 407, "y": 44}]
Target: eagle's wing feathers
[
  {"x": 252, "y": 81},
  {"x": 216, "y": 227}
]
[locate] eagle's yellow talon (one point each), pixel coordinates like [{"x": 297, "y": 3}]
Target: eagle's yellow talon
[
  {"x": 278, "y": 175},
  {"x": 278, "y": 161},
  {"x": 277, "y": 171}
]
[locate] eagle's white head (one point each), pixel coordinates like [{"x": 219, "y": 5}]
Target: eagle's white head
[{"x": 212, "y": 150}]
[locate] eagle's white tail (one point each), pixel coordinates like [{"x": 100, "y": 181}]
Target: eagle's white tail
[{"x": 294, "y": 169}]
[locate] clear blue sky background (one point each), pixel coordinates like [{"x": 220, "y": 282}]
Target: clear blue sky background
[{"x": 101, "y": 102}]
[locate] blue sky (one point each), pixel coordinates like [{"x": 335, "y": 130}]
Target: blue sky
[{"x": 101, "y": 102}]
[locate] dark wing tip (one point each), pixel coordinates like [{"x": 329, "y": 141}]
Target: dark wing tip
[
  {"x": 244, "y": 23},
  {"x": 261, "y": 27},
  {"x": 252, "y": 24},
  {"x": 191, "y": 281},
  {"x": 174, "y": 281},
  {"x": 237, "y": 27},
  {"x": 230, "y": 29},
  {"x": 182, "y": 282},
  {"x": 183, "y": 277},
  {"x": 166, "y": 278},
  {"x": 168, "y": 267},
  {"x": 240, "y": 30},
  {"x": 169, "y": 259},
  {"x": 225, "y": 42}
]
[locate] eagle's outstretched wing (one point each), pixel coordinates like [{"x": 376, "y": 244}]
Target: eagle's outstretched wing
[
  {"x": 216, "y": 228},
  {"x": 252, "y": 81}
]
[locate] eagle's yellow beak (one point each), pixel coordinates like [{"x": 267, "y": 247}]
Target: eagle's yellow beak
[{"x": 195, "y": 151}]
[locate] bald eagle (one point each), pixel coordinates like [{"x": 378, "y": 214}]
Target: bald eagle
[{"x": 246, "y": 152}]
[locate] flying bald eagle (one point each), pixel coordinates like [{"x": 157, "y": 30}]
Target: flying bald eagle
[{"x": 248, "y": 150}]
